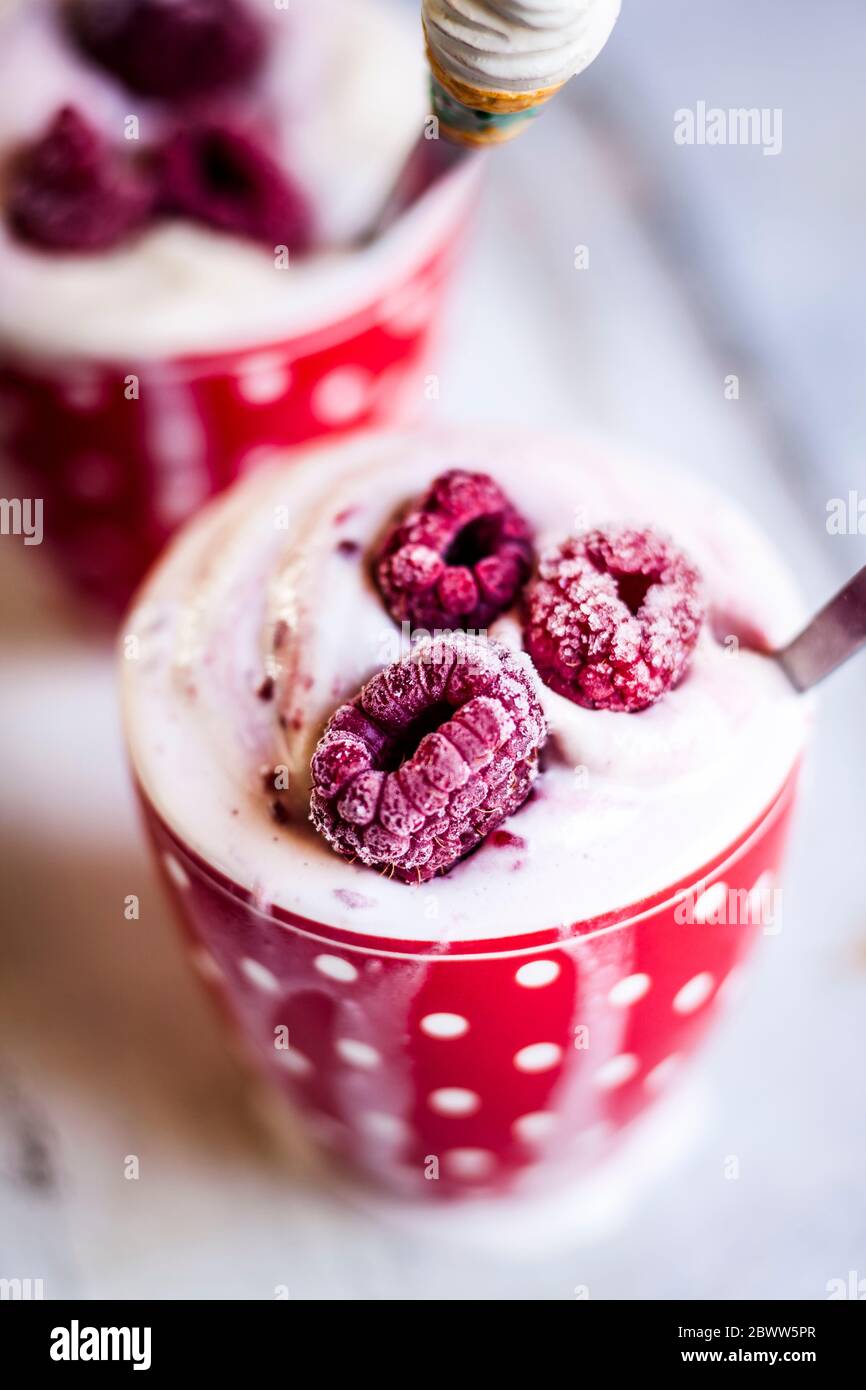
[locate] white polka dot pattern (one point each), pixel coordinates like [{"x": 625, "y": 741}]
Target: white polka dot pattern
[
  {"x": 342, "y": 395},
  {"x": 454, "y": 1100},
  {"x": 540, "y": 1056},
  {"x": 662, "y": 1072},
  {"x": 469, "y": 1070},
  {"x": 357, "y": 1054},
  {"x": 263, "y": 380},
  {"x": 629, "y": 990},
  {"x": 534, "y": 1127},
  {"x": 694, "y": 993},
  {"x": 760, "y": 906},
  {"x": 710, "y": 902},
  {"x": 204, "y": 963},
  {"x": 293, "y": 1061},
  {"x": 444, "y": 1025},
  {"x": 259, "y": 975},
  {"x": 379, "y": 1125},
  {"x": 336, "y": 968},
  {"x": 175, "y": 870},
  {"x": 617, "y": 1071},
  {"x": 469, "y": 1163},
  {"x": 537, "y": 973}
]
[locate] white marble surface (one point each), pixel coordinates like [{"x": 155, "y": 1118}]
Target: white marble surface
[{"x": 703, "y": 262}]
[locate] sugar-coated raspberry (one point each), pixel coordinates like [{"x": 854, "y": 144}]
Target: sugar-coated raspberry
[
  {"x": 71, "y": 192},
  {"x": 459, "y": 558},
  {"x": 431, "y": 755},
  {"x": 220, "y": 176},
  {"x": 612, "y": 618},
  {"x": 170, "y": 48}
]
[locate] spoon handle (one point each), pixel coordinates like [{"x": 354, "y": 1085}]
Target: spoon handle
[
  {"x": 834, "y": 634},
  {"x": 428, "y": 162}
]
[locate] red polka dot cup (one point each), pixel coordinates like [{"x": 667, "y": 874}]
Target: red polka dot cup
[
  {"x": 123, "y": 451},
  {"x": 486, "y": 1066}
]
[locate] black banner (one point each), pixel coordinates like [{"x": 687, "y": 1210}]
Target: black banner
[{"x": 157, "y": 1338}]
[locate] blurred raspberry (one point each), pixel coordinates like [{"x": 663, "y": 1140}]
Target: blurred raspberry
[
  {"x": 218, "y": 175},
  {"x": 431, "y": 755},
  {"x": 170, "y": 48},
  {"x": 459, "y": 558},
  {"x": 613, "y": 617},
  {"x": 71, "y": 192}
]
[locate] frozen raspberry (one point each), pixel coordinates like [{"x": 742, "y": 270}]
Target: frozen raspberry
[
  {"x": 218, "y": 175},
  {"x": 170, "y": 48},
  {"x": 613, "y": 617},
  {"x": 71, "y": 192},
  {"x": 431, "y": 755},
  {"x": 459, "y": 558}
]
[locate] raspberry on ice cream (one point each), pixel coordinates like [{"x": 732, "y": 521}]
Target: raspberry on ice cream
[
  {"x": 459, "y": 558},
  {"x": 218, "y": 175},
  {"x": 612, "y": 618},
  {"x": 70, "y": 192},
  {"x": 170, "y": 48},
  {"x": 431, "y": 755}
]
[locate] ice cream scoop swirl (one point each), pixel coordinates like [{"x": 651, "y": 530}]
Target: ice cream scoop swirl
[{"x": 517, "y": 45}]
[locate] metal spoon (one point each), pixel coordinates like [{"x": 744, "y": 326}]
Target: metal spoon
[
  {"x": 834, "y": 634},
  {"x": 428, "y": 162}
]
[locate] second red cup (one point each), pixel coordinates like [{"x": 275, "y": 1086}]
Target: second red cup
[{"x": 122, "y": 452}]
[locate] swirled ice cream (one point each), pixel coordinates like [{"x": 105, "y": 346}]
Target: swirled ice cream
[
  {"x": 517, "y": 45},
  {"x": 341, "y": 94},
  {"x": 264, "y": 617}
]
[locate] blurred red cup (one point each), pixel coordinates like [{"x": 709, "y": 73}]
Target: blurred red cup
[
  {"x": 485, "y": 1066},
  {"x": 122, "y": 452}
]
